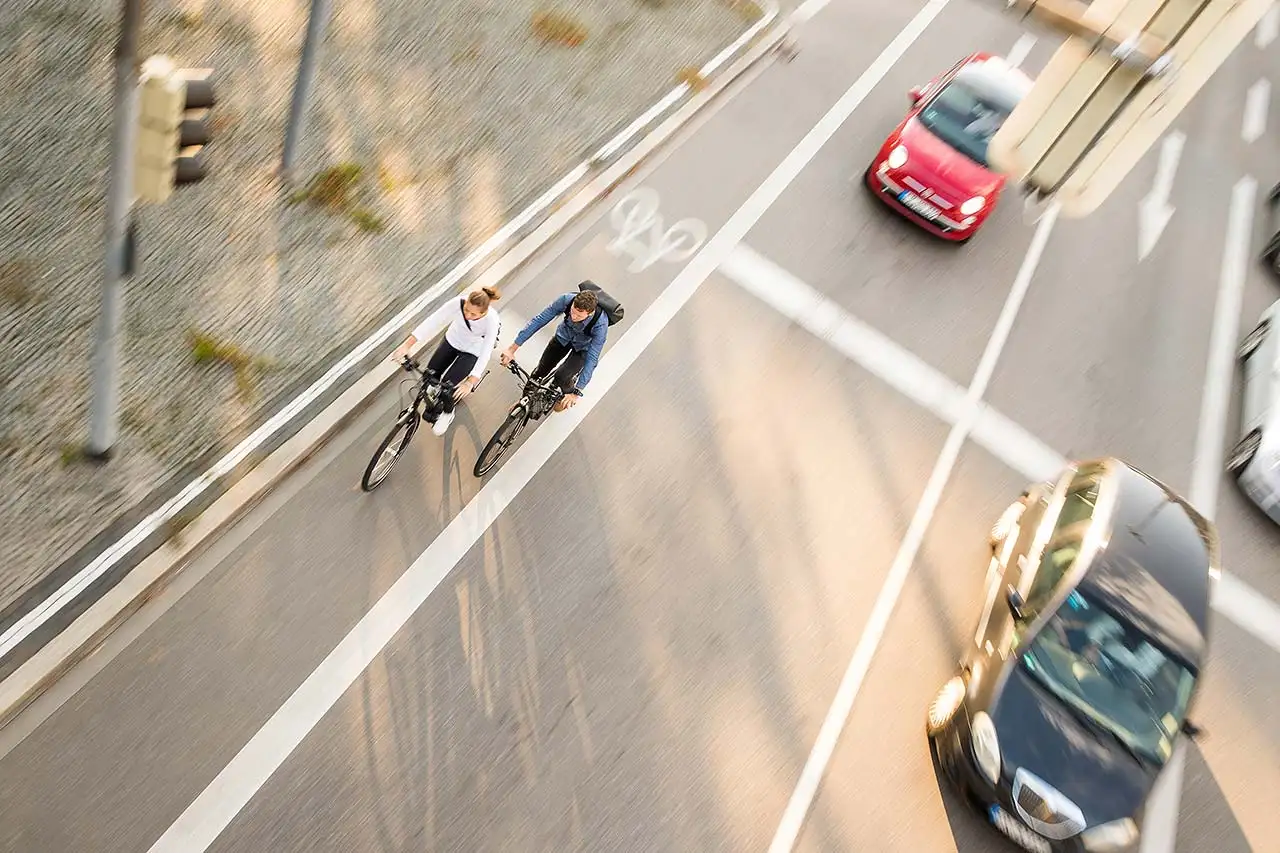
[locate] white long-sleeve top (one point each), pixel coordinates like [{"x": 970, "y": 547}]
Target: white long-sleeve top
[{"x": 478, "y": 337}]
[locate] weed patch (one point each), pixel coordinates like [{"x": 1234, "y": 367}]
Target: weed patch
[
  {"x": 368, "y": 221},
  {"x": 17, "y": 282},
  {"x": 175, "y": 528},
  {"x": 70, "y": 454},
  {"x": 331, "y": 189},
  {"x": 207, "y": 350},
  {"x": 184, "y": 19},
  {"x": 336, "y": 190},
  {"x": 748, "y": 9},
  {"x": 692, "y": 78},
  {"x": 558, "y": 28}
]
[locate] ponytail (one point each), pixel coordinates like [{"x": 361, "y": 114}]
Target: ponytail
[{"x": 482, "y": 297}]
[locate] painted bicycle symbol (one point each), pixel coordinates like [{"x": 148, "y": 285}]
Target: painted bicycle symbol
[{"x": 636, "y": 216}]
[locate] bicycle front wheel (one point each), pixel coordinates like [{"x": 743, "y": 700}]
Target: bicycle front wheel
[
  {"x": 388, "y": 453},
  {"x": 502, "y": 439}
]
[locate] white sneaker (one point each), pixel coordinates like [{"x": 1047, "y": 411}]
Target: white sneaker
[{"x": 441, "y": 426}]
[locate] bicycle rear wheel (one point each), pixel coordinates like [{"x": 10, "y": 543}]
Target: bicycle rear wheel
[
  {"x": 388, "y": 453},
  {"x": 502, "y": 439}
]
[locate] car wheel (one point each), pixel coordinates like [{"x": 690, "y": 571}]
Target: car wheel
[
  {"x": 1242, "y": 454},
  {"x": 944, "y": 707},
  {"x": 1253, "y": 340}
]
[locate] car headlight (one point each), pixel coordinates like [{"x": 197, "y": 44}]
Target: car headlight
[
  {"x": 897, "y": 157},
  {"x": 986, "y": 747},
  {"x": 973, "y": 205},
  {"x": 1113, "y": 836}
]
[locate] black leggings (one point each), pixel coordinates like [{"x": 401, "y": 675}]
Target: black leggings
[
  {"x": 452, "y": 365},
  {"x": 567, "y": 375}
]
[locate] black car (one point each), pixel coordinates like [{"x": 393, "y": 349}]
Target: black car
[
  {"x": 1086, "y": 659},
  {"x": 1271, "y": 254}
]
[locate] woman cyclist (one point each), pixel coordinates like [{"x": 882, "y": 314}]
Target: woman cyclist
[{"x": 464, "y": 352}]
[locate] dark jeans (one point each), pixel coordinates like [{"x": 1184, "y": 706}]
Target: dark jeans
[
  {"x": 554, "y": 354},
  {"x": 452, "y": 366}
]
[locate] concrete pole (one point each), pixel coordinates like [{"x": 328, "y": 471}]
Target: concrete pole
[{"x": 104, "y": 407}]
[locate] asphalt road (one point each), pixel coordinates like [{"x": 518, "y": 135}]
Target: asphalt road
[{"x": 640, "y": 651}]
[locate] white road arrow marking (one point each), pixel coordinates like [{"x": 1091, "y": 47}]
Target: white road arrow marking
[
  {"x": 1268, "y": 28},
  {"x": 1154, "y": 211},
  {"x": 1255, "y": 111}
]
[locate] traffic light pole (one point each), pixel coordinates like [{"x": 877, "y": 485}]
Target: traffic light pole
[
  {"x": 316, "y": 23},
  {"x": 104, "y": 406}
]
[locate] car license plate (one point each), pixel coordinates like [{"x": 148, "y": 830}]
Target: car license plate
[
  {"x": 1022, "y": 836},
  {"x": 919, "y": 205}
]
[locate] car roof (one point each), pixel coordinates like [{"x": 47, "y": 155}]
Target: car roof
[
  {"x": 995, "y": 78},
  {"x": 1155, "y": 570}
]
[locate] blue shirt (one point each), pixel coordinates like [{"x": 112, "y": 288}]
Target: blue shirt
[{"x": 573, "y": 335}]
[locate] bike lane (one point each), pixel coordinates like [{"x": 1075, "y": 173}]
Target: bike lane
[{"x": 130, "y": 739}]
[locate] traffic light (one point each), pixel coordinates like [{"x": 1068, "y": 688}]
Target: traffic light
[
  {"x": 173, "y": 127},
  {"x": 1093, "y": 112}
]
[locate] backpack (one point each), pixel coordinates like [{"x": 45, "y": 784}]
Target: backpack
[{"x": 609, "y": 306}]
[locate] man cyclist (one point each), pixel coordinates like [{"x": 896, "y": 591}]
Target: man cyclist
[
  {"x": 464, "y": 352},
  {"x": 575, "y": 348}
]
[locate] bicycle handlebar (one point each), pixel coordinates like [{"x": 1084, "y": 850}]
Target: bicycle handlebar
[{"x": 525, "y": 377}]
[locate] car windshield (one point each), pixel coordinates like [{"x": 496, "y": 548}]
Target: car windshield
[
  {"x": 1107, "y": 671},
  {"x": 965, "y": 116}
]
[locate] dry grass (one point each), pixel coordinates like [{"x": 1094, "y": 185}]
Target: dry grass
[
  {"x": 17, "y": 282},
  {"x": 691, "y": 77},
  {"x": 206, "y": 349},
  {"x": 558, "y": 28}
]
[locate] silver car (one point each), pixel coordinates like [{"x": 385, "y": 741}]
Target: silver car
[{"x": 1255, "y": 460}]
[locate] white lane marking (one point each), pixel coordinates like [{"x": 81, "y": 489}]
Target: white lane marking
[
  {"x": 1268, "y": 28},
  {"x": 892, "y": 363},
  {"x": 807, "y": 10},
  {"x": 1016, "y": 447},
  {"x": 1021, "y": 48},
  {"x": 1207, "y": 473},
  {"x": 1256, "y": 103},
  {"x": 788, "y": 833},
  {"x": 102, "y": 563},
  {"x": 906, "y": 372},
  {"x": 910, "y": 376},
  {"x": 1248, "y": 609},
  {"x": 1160, "y": 828},
  {"x": 209, "y": 814}
]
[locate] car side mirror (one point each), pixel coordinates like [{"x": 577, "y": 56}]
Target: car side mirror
[
  {"x": 915, "y": 94},
  {"x": 1191, "y": 730},
  {"x": 1016, "y": 602}
]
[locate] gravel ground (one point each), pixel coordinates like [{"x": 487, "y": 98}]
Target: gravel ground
[{"x": 457, "y": 115}]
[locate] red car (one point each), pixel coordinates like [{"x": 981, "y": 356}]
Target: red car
[{"x": 933, "y": 168}]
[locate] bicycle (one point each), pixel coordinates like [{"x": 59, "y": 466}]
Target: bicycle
[
  {"x": 427, "y": 405},
  {"x": 537, "y": 399}
]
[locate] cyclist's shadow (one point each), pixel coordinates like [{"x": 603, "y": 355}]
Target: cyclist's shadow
[{"x": 458, "y": 454}]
